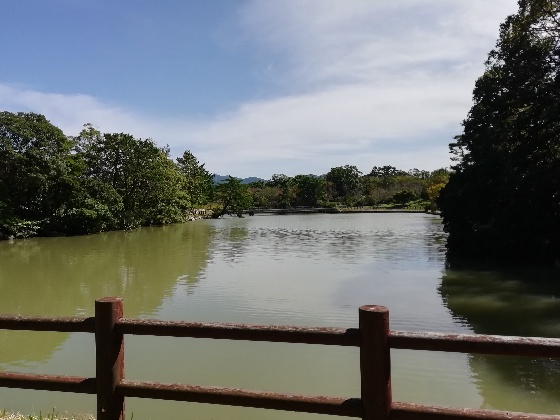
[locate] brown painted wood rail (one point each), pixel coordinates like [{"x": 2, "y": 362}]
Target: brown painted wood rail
[{"x": 373, "y": 337}]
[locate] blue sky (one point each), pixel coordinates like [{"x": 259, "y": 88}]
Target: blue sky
[{"x": 255, "y": 87}]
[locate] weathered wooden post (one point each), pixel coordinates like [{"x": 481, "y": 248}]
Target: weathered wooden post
[
  {"x": 375, "y": 362},
  {"x": 109, "y": 358}
]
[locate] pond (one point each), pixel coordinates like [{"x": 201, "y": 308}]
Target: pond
[{"x": 308, "y": 270}]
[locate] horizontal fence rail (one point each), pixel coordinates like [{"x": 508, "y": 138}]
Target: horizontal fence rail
[
  {"x": 281, "y": 333},
  {"x": 241, "y": 397},
  {"x": 373, "y": 337},
  {"x": 86, "y": 325},
  {"x": 481, "y": 344},
  {"x": 73, "y": 384}
]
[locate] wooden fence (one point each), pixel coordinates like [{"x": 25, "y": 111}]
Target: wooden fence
[{"x": 373, "y": 337}]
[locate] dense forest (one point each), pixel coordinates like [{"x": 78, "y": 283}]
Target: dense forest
[{"x": 52, "y": 184}]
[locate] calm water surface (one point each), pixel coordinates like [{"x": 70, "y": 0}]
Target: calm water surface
[{"x": 313, "y": 270}]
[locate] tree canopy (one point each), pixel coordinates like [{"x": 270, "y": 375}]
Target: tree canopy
[
  {"x": 503, "y": 198},
  {"x": 198, "y": 181},
  {"x": 51, "y": 184},
  {"x": 35, "y": 170},
  {"x": 232, "y": 196},
  {"x": 345, "y": 181}
]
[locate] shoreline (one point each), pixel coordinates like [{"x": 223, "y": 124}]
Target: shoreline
[{"x": 315, "y": 210}]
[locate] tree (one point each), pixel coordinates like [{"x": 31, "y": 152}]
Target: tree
[
  {"x": 374, "y": 191},
  {"x": 346, "y": 182},
  {"x": 141, "y": 174},
  {"x": 386, "y": 175},
  {"x": 198, "y": 181},
  {"x": 263, "y": 195},
  {"x": 387, "y": 171},
  {"x": 417, "y": 173},
  {"x": 434, "y": 183},
  {"x": 287, "y": 189},
  {"x": 52, "y": 185},
  {"x": 310, "y": 190},
  {"x": 34, "y": 173},
  {"x": 404, "y": 196},
  {"x": 232, "y": 196},
  {"x": 503, "y": 198}
]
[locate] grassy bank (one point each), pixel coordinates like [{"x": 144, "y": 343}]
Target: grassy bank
[{"x": 4, "y": 415}]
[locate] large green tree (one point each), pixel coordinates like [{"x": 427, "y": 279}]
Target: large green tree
[
  {"x": 35, "y": 173},
  {"x": 503, "y": 198},
  {"x": 51, "y": 184},
  {"x": 346, "y": 182},
  {"x": 232, "y": 196},
  {"x": 287, "y": 189},
  {"x": 310, "y": 190},
  {"x": 198, "y": 181},
  {"x": 144, "y": 177}
]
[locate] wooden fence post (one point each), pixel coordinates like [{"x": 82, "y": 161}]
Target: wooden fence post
[
  {"x": 109, "y": 358},
  {"x": 375, "y": 362}
]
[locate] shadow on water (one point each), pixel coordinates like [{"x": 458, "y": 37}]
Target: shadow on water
[
  {"x": 64, "y": 276},
  {"x": 517, "y": 302}
]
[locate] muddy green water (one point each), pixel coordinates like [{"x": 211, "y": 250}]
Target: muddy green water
[{"x": 313, "y": 270}]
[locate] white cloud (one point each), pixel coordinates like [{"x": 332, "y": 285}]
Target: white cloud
[
  {"x": 326, "y": 40},
  {"x": 69, "y": 112},
  {"x": 366, "y": 83}
]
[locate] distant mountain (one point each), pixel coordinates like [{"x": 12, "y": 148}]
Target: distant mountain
[
  {"x": 251, "y": 179},
  {"x": 220, "y": 178}
]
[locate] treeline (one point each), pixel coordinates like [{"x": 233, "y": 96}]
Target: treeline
[
  {"x": 55, "y": 185},
  {"x": 346, "y": 185},
  {"x": 52, "y": 184}
]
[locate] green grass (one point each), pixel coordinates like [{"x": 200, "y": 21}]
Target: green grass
[{"x": 53, "y": 415}]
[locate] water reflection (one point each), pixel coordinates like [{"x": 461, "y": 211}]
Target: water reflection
[
  {"x": 518, "y": 383},
  {"x": 518, "y": 302},
  {"x": 524, "y": 302},
  {"x": 64, "y": 276}
]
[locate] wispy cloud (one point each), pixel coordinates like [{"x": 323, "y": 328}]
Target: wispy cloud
[{"x": 356, "y": 82}]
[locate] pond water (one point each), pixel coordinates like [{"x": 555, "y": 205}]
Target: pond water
[{"x": 312, "y": 270}]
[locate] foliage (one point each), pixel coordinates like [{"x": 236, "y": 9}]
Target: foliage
[
  {"x": 35, "y": 166},
  {"x": 232, "y": 196},
  {"x": 198, "y": 181},
  {"x": 434, "y": 190},
  {"x": 435, "y": 182},
  {"x": 387, "y": 172},
  {"x": 404, "y": 196},
  {"x": 345, "y": 181},
  {"x": 263, "y": 195},
  {"x": 51, "y": 184},
  {"x": 333, "y": 189},
  {"x": 310, "y": 190},
  {"x": 417, "y": 173},
  {"x": 283, "y": 191},
  {"x": 142, "y": 175},
  {"x": 385, "y": 185},
  {"x": 286, "y": 187},
  {"x": 503, "y": 199}
]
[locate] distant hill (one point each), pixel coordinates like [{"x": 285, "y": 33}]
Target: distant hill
[
  {"x": 220, "y": 178},
  {"x": 251, "y": 179}
]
